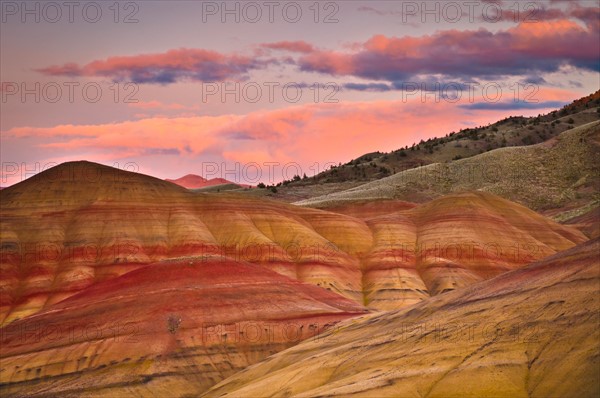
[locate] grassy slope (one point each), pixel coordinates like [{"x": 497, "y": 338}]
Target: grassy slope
[
  {"x": 510, "y": 132},
  {"x": 559, "y": 173}
]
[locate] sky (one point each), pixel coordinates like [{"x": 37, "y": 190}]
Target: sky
[{"x": 260, "y": 91}]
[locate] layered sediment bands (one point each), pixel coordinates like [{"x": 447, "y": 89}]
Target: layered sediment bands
[
  {"x": 531, "y": 332},
  {"x": 81, "y": 223},
  {"x": 390, "y": 275},
  {"x": 476, "y": 236},
  {"x": 453, "y": 242},
  {"x": 167, "y": 329}
]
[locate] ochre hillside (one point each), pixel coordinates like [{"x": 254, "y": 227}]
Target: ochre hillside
[{"x": 532, "y": 332}]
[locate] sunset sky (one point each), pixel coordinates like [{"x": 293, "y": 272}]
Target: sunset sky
[{"x": 142, "y": 85}]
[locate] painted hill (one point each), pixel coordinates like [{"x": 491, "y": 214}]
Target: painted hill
[
  {"x": 532, "y": 332},
  {"x": 452, "y": 242},
  {"x": 163, "y": 330},
  {"x": 81, "y": 223},
  {"x": 137, "y": 286}
]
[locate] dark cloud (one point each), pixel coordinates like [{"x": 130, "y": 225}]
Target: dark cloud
[
  {"x": 537, "y": 80},
  {"x": 512, "y": 105}
]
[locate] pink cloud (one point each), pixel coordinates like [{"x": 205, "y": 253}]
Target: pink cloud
[
  {"x": 167, "y": 67},
  {"x": 292, "y": 46},
  {"x": 557, "y": 39},
  {"x": 523, "y": 49}
]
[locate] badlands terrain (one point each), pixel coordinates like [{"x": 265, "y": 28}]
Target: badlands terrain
[
  {"x": 518, "y": 335},
  {"x": 477, "y": 276}
]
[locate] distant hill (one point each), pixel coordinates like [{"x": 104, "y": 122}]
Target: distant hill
[
  {"x": 193, "y": 181},
  {"x": 189, "y": 181}
]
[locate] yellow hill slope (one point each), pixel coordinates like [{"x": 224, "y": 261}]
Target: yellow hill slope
[{"x": 532, "y": 332}]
